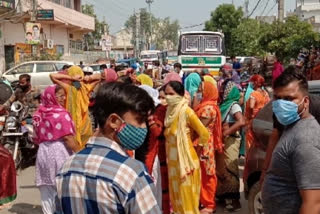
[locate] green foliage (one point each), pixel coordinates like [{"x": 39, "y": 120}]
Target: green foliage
[
  {"x": 246, "y": 38},
  {"x": 287, "y": 39},
  {"x": 101, "y": 27},
  {"x": 249, "y": 37},
  {"x": 225, "y": 18},
  {"x": 165, "y": 32}
]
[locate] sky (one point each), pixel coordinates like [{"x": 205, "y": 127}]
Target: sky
[{"x": 187, "y": 12}]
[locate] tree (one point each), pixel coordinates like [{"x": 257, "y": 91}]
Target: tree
[
  {"x": 287, "y": 39},
  {"x": 225, "y": 18},
  {"x": 246, "y": 38},
  {"x": 164, "y": 32},
  {"x": 101, "y": 27}
]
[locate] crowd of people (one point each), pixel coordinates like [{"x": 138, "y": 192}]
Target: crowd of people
[{"x": 163, "y": 141}]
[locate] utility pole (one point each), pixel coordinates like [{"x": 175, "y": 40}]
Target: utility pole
[
  {"x": 246, "y": 6},
  {"x": 280, "y": 10},
  {"x": 149, "y": 2},
  {"x": 137, "y": 34},
  {"x": 34, "y": 10}
]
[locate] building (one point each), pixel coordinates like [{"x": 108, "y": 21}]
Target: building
[
  {"x": 61, "y": 30},
  {"x": 266, "y": 19},
  {"x": 309, "y": 10},
  {"x": 121, "y": 45}
]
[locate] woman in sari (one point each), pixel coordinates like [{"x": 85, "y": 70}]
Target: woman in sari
[
  {"x": 209, "y": 114},
  {"x": 192, "y": 84},
  {"x": 183, "y": 162},
  {"x": 54, "y": 132},
  {"x": 258, "y": 99},
  {"x": 8, "y": 186},
  {"x": 77, "y": 102},
  {"x": 227, "y": 163}
]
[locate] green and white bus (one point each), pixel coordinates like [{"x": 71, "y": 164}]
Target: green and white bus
[{"x": 201, "y": 49}]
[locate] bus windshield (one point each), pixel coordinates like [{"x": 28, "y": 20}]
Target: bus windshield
[
  {"x": 150, "y": 56},
  {"x": 201, "y": 44}
]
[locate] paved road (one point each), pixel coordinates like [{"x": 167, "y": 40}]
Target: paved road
[{"x": 28, "y": 200}]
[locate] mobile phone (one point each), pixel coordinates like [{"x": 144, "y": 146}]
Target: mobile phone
[{"x": 76, "y": 84}]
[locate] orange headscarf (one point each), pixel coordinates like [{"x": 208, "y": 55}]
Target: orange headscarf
[{"x": 210, "y": 97}]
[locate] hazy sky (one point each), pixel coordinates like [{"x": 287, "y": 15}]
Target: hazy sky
[{"x": 188, "y": 12}]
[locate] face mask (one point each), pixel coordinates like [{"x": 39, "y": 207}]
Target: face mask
[
  {"x": 173, "y": 99},
  {"x": 131, "y": 137},
  {"x": 199, "y": 97},
  {"x": 286, "y": 111}
]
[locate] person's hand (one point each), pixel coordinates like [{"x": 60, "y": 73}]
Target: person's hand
[
  {"x": 151, "y": 120},
  {"x": 77, "y": 78},
  {"x": 1, "y": 107}
]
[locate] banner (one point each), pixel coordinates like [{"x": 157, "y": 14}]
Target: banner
[
  {"x": 33, "y": 33},
  {"x": 106, "y": 43}
]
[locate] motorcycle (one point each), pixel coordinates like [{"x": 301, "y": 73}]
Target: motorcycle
[{"x": 16, "y": 134}]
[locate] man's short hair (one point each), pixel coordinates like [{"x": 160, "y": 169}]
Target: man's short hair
[
  {"x": 290, "y": 75},
  {"x": 177, "y": 65},
  {"x": 25, "y": 76}
]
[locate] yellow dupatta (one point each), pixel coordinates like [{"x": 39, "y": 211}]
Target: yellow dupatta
[
  {"x": 177, "y": 107},
  {"x": 78, "y": 104}
]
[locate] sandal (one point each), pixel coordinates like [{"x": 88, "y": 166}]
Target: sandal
[{"x": 207, "y": 211}]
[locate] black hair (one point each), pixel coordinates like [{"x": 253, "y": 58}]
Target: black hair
[
  {"x": 233, "y": 57},
  {"x": 177, "y": 65},
  {"x": 66, "y": 67},
  {"x": 125, "y": 79},
  {"x": 25, "y": 76},
  {"x": 120, "y": 98},
  {"x": 162, "y": 88},
  {"x": 58, "y": 88},
  {"x": 177, "y": 87},
  {"x": 35, "y": 26},
  {"x": 81, "y": 62},
  {"x": 119, "y": 68},
  {"x": 29, "y": 33},
  {"x": 156, "y": 63},
  {"x": 290, "y": 75},
  {"x": 103, "y": 66}
]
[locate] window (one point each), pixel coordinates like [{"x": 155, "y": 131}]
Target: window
[
  {"x": 23, "y": 69},
  {"x": 201, "y": 44},
  {"x": 45, "y": 67},
  {"x": 60, "y": 49},
  {"x": 59, "y": 66}
]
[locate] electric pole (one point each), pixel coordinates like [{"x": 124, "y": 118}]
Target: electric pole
[
  {"x": 246, "y": 6},
  {"x": 149, "y": 2},
  {"x": 34, "y": 10},
  {"x": 137, "y": 34},
  {"x": 280, "y": 10}
]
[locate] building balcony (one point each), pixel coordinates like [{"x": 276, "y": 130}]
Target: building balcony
[{"x": 64, "y": 16}]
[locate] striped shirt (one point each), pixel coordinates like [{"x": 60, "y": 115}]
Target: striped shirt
[{"x": 103, "y": 179}]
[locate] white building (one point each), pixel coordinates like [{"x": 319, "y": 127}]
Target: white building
[
  {"x": 65, "y": 30},
  {"x": 309, "y": 10}
]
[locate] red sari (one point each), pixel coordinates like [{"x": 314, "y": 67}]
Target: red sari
[
  {"x": 8, "y": 187},
  {"x": 157, "y": 147}
]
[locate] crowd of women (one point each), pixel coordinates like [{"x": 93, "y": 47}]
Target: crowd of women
[{"x": 193, "y": 142}]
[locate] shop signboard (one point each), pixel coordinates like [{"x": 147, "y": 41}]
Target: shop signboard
[{"x": 45, "y": 15}]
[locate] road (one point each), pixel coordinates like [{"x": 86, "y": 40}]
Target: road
[{"x": 28, "y": 200}]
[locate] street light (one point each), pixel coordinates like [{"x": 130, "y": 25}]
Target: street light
[{"x": 149, "y": 2}]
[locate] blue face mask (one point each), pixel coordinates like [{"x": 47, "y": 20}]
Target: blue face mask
[
  {"x": 286, "y": 111},
  {"x": 131, "y": 137}
]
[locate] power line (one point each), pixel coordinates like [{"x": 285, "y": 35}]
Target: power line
[
  {"x": 271, "y": 8},
  {"x": 254, "y": 9},
  {"x": 264, "y": 9}
]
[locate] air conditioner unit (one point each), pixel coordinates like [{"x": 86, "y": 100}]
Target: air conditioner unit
[{"x": 50, "y": 44}]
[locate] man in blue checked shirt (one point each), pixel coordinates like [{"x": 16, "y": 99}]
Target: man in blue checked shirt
[{"x": 102, "y": 178}]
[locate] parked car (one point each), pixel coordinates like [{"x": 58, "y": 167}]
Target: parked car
[
  {"x": 262, "y": 128},
  {"x": 38, "y": 70}
]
